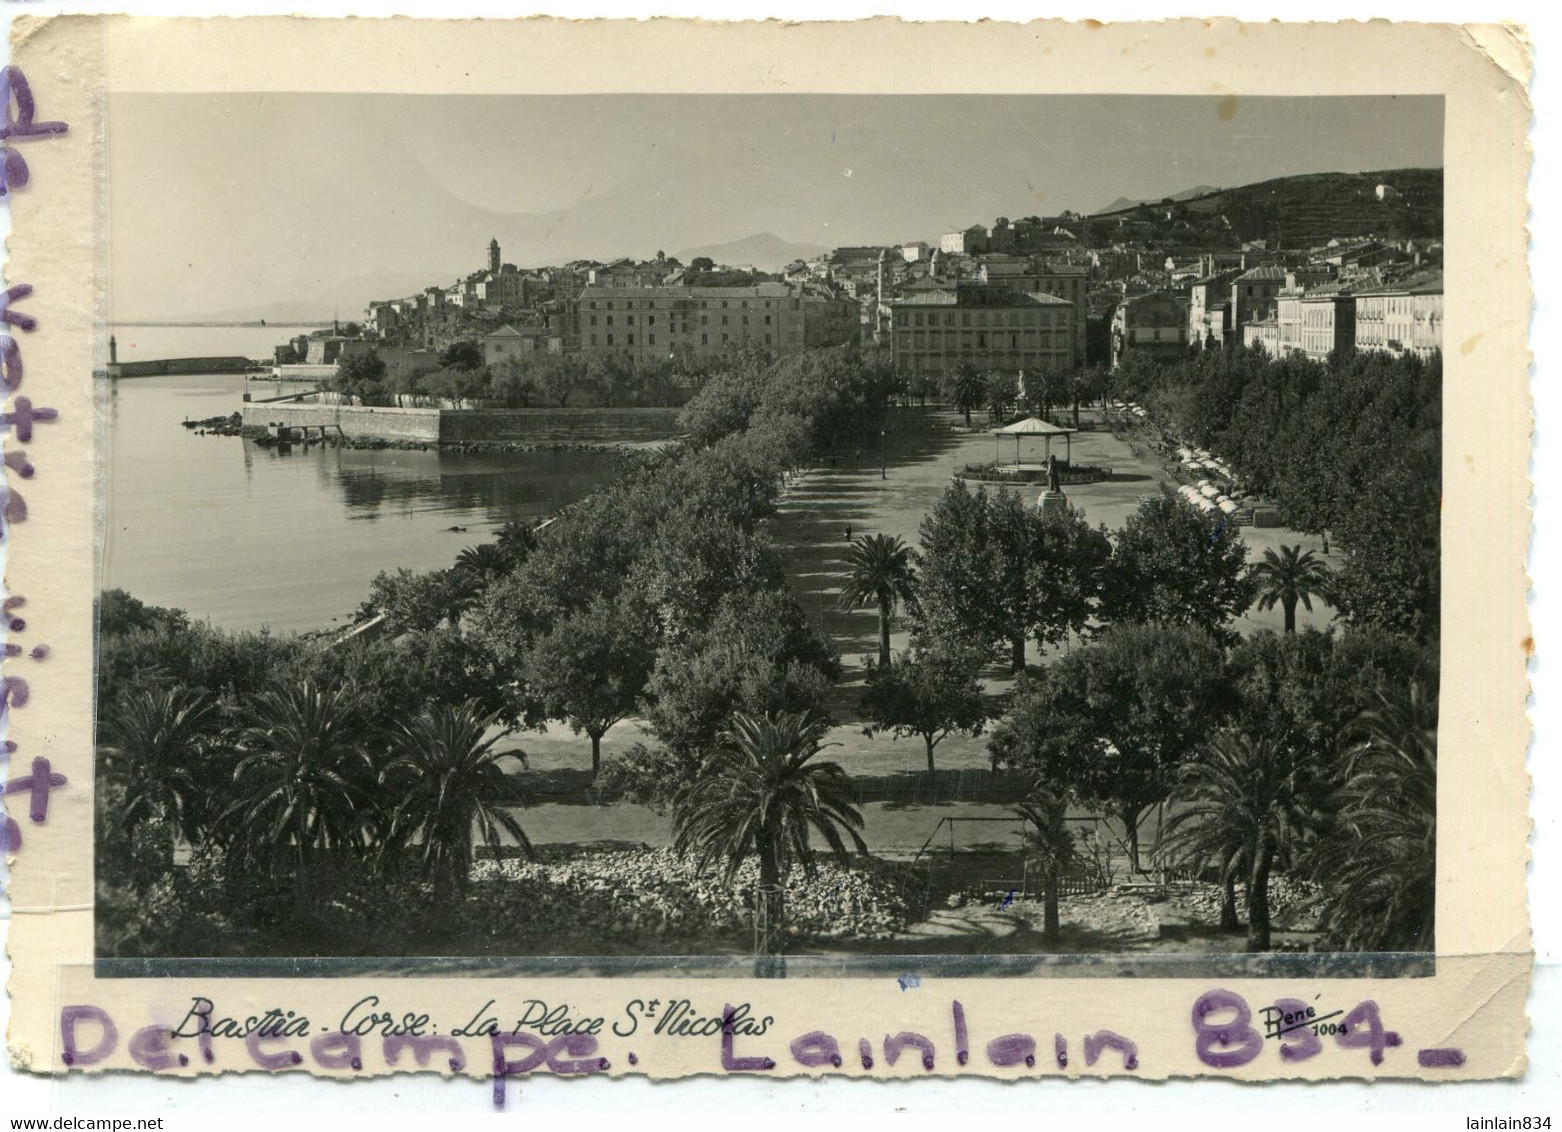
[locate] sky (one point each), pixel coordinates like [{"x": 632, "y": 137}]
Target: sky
[{"x": 223, "y": 202}]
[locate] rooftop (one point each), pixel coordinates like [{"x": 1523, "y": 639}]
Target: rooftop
[
  {"x": 1425, "y": 283},
  {"x": 978, "y": 295}
]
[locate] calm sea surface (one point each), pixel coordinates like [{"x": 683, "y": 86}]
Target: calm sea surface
[{"x": 248, "y": 537}]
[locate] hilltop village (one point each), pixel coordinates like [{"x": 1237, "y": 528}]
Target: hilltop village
[{"x": 1041, "y": 294}]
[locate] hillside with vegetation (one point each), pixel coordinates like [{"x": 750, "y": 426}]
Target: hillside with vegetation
[{"x": 1291, "y": 211}]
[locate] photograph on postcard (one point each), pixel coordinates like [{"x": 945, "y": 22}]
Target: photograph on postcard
[{"x": 772, "y": 534}]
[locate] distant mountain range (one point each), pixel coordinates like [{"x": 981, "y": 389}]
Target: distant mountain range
[
  {"x": 1289, "y": 211},
  {"x": 1122, "y": 204},
  {"x": 765, "y": 251}
]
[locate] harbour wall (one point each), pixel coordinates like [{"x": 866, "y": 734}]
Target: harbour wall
[
  {"x": 471, "y": 426},
  {"x": 162, "y": 367}
]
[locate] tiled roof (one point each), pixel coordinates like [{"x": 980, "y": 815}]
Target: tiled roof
[
  {"x": 1271, "y": 272},
  {"x": 1426, "y": 283},
  {"x": 978, "y": 297},
  {"x": 752, "y": 291}
]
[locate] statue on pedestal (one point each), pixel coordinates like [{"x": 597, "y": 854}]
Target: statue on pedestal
[{"x": 1053, "y": 501}]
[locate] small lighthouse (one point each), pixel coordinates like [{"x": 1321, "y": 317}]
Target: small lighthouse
[{"x": 113, "y": 350}]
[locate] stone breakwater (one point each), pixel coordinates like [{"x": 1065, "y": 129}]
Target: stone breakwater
[{"x": 456, "y": 427}]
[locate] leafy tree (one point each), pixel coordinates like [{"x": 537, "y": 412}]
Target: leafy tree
[
  {"x": 610, "y": 375},
  {"x": 512, "y": 383},
  {"x": 958, "y": 573},
  {"x": 1015, "y": 534},
  {"x": 1068, "y": 561},
  {"x": 1239, "y": 801},
  {"x": 930, "y": 692},
  {"x": 1172, "y": 564},
  {"x": 590, "y": 669},
  {"x": 455, "y": 384},
  {"x": 995, "y": 571},
  {"x": 1294, "y": 575},
  {"x": 555, "y": 376},
  {"x": 881, "y": 575},
  {"x": 466, "y": 356},
  {"x": 156, "y": 742},
  {"x": 965, "y": 388},
  {"x": 721, "y": 408},
  {"x": 361, "y": 377},
  {"x": 418, "y": 602},
  {"x": 762, "y": 795},
  {"x": 446, "y": 775},
  {"x": 758, "y": 654},
  {"x": 701, "y": 263},
  {"x": 1382, "y": 861},
  {"x": 300, "y": 786},
  {"x": 120, "y": 613},
  {"x": 1111, "y": 722}
]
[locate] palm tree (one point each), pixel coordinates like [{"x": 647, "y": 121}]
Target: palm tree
[
  {"x": 1207, "y": 843},
  {"x": 155, "y": 740},
  {"x": 1050, "y": 846},
  {"x": 483, "y": 564},
  {"x": 301, "y": 781},
  {"x": 518, "y": 540},
  {"x": 1241, "y": 800},
  {"x": 1384, "y": 868},
  {"x": 451, "y": 788},
  {"x": 965, "y": 388},
  {"x": 1294, "y": 575},
  {"x": 1002, "y": 390},
  {"x": 882, "y": 575},
  {"x": 759, "y": 795}
]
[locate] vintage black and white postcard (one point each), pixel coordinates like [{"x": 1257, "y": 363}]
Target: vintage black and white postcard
[{"x": 874, "y": 549}]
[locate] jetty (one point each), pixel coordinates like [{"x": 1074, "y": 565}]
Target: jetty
[{"x": 166, "y": 367}]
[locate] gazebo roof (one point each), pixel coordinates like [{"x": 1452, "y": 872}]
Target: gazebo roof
[{"x": 1033, "y": 426}]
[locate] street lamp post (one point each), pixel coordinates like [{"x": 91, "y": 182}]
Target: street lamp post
[{"x": 883, "y": 470}]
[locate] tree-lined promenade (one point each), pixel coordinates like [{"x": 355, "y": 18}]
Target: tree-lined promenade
[{"x": 1110, "y": 661}]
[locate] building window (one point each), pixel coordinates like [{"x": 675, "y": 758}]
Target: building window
[
  {"x": 629, "y": 339},
  {"x": 704, "y": 339},
  {"x": 610, "y": 320},
  {"x": 609, "y": 339},
  {"x": 650, "y": 320},
  {"x": 650, "y": 339},
  {"x": 767, "y": 317},
  {"x": 593, "y": 319}
]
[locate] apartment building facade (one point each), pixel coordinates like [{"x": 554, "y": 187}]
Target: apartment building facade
[
  {"x": 654, "y": 322},
  {"x": 992, "y": 326}
]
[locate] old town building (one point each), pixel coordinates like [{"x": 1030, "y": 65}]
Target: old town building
[
  {"x": 654, "y": 322},
  {"x": 992, "y": 326}
]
